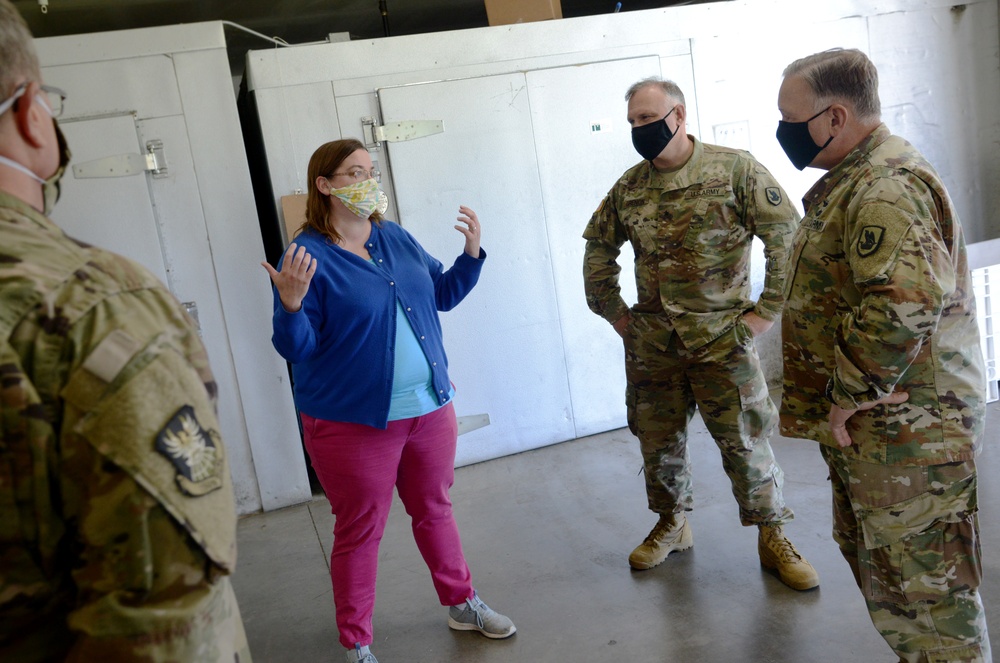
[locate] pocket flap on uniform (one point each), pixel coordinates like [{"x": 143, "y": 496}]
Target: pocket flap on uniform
[{"x": 883, "y": 526}]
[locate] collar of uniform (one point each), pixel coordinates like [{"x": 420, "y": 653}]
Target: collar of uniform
[
  {"x": 13, "y": 209},
  {"x": 860, "y": 152},
  {"x": 681, "y": 178}
]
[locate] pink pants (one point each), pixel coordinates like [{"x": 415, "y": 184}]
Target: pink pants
[{"x": 358, "y": 466}]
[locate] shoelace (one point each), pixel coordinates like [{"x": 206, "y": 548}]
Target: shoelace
[
  {"x": 475, "y": 610},
  {"x": 658, "y": 531},
  {"x": 786, "y": 551}
]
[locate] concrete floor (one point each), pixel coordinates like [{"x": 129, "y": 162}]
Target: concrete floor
[{"x": 547, "y": 534}]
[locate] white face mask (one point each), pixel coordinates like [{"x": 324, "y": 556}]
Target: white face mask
[{"x": 361, "y": 198}]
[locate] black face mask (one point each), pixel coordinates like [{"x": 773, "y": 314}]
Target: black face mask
[
  {"x": 797, "y": 142},
  {"x": 650, "y": 139}
]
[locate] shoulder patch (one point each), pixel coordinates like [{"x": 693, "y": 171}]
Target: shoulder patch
[
  {"x": 869, "y": 240},
  {"x": 773, "y": 194},
  {"x": 192, "y": 451},
  {"x": 875, "y": 240}
]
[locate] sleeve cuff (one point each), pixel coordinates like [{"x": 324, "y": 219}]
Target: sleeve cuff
[{"x": 836, "y": 394}]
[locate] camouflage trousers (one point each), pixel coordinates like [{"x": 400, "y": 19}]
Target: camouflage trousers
[
  {"x": 911, "y": 537},
  {"x": 725, "y": 380}
]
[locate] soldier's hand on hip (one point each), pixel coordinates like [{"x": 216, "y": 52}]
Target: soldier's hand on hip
[
  {"x": 293, "y": 280},
  {"x": 839, "y": 416},
  {"x": 757, "y": 324}
]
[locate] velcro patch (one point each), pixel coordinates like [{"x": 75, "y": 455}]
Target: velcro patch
[
  {"x": 193, "y": 452},
  {"x": 773, "y": 194},
  {"x": 878, "y": 233},
  {"x": 869, "y": 240}
]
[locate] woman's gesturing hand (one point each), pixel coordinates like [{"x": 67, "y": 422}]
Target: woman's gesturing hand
[
  {"x": 473, "y": 233},
  {"x": 293, "y": 280}
]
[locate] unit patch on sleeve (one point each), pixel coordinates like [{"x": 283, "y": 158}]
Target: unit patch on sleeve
[
  {"x": 193, "y": 452},
  {"x": 876, "y": 240},
  {"x": 869, "y": 240},
  {"x": 773, "y": 194}
]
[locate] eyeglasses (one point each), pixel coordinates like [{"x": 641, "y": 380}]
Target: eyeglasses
[
  {"x": 54, "y": 98},
  {"x": 360, "y": 174}
]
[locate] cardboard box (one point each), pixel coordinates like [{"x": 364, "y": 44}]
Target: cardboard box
[{"x": 505, "y": 12}]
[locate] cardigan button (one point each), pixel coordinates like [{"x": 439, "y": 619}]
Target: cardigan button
[{"x": 392, "y": 283}]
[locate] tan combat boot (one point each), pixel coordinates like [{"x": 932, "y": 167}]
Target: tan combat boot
[
  {"x": 777, "y": 552},
  {"x": 669, "y": 534}
]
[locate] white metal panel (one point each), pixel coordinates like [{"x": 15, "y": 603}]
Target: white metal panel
[
  {"x": 936, "y": 96},
  {"x": 261, "y": 384},
  {"x": 516, "y": 45},
  {"x": 117, "y": 213},
  {"x": 351, "y": 109},
  {"x": 143, "y": 86},
  {"x": 451, "y": 69},
  {"x": 504, "y": 343},
  {"x": 582, "y": 151},
  {"x": 192, "y": 278},
  {"x": 128, "y": 44},
  {"x": 299, "y": 119},
  {"x": 986, "y": 284}
]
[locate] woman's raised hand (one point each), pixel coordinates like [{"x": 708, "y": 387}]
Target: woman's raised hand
[
  {"x": 472, "y": 230},
  {"x": 293, "y": 280}
]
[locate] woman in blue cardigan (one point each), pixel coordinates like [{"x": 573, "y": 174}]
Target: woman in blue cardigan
[{"x": 355, "y": 312}]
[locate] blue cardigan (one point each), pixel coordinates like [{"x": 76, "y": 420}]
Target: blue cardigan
[{"x": 341, "y": 343}]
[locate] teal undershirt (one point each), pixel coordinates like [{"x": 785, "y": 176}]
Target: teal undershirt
[
  {"x": 412, "y": 390},
  {"x": 412, "y": 382}
]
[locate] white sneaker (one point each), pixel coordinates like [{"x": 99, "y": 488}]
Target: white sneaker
[
  {"x": 360, "y": 655},
  {"x": 477, "y": 616}
]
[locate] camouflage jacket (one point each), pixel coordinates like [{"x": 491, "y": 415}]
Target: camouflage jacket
[
  {"x": 880, "y": 300},
  {"x": 691, "y": 231},
  {"x": 117, "y": 521}
]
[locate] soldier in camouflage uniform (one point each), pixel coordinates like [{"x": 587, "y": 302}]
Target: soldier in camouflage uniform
[
  {"x": 690, "y": 211},
  {"x": 117, "y": 522},
  {"x": 882, "y": 360}
]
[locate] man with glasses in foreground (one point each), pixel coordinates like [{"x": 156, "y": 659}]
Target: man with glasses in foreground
[
  {"x": 882, "y": 360},
  {"x": 117, "y": 521}
]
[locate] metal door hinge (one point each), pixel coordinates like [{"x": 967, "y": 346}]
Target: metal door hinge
[
  {"x": 394, "y": 132},
  {"x": 471, "y": 422},
  {"x": 125, "y": 165}
]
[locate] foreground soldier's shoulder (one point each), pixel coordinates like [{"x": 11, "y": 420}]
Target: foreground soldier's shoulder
[{"x": 143, "y": 406}]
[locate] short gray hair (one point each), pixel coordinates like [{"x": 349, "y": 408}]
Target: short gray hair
[
  {"x": 669, "y": 88},
  {"x": 841, "y": 74},
  {"x": 18, "y": 60}
]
